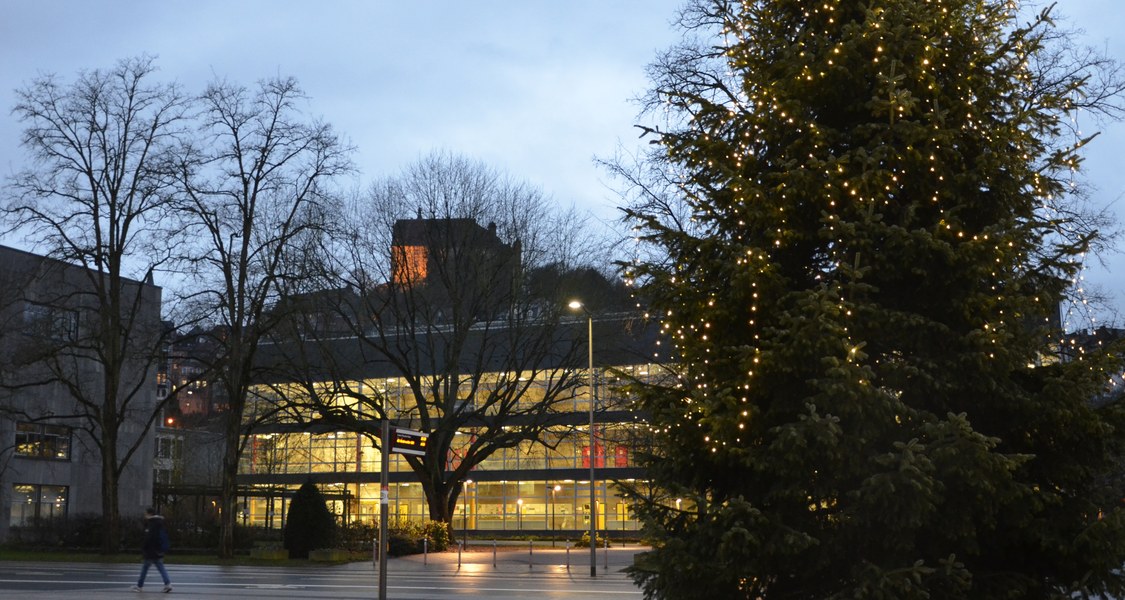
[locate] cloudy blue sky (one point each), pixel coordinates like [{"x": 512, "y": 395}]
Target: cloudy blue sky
[{"x": 537, "y": 88}]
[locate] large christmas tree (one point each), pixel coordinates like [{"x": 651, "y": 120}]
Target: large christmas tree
[{"x": 863, "y": 248}]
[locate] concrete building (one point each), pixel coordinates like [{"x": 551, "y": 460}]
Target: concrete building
[{"x": 51, "y": 383}]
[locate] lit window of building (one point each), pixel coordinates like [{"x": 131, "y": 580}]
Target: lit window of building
[
  {"x": 40, "y": 440},
  {"x": 33, "y": 503}
]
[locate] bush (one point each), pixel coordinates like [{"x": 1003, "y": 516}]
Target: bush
[
  {"x": 78, "y": 531},
  {"x": 403, "y": 537},
  {"x": 400, "y": 543},
  {"x": 357, "y": 536},
  {"x": 406, "y": 537},
  {"x": 584, "y": 541},
  {"x": 309, "y": 524},
  {"x": 438, "y": 534},
  {"x": 83, "y": 531}
]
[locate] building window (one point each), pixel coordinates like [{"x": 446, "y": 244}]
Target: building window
[
  {"x": 33, "y": 503},
  {"x": 408, "y": 264},
  {"x": 162, "y": 476},
  {"x": 169, "y": 448},
  {"x": 50, "y": 322},
  {"x": 39, "y": 440},
  {"x": 167, "y": 459}
]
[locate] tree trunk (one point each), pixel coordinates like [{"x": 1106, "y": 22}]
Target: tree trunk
[
  {"x": 229, "y": 493},
  {"x": 454, "y": 491},
  {"x": 111, "y": 514},
  {"x": 441, "y": 499}
]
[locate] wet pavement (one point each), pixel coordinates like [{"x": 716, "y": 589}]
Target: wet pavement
[{"x": 508, "y": 573}]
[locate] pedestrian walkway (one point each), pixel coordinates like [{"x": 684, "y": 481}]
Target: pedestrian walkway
[{"x": 513, "y": 557}]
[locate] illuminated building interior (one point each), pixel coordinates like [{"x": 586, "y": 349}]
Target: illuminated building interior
[{"x": 538, "y": 487}]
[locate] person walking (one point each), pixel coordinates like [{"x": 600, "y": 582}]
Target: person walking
[{"x": 153, "y": 547}]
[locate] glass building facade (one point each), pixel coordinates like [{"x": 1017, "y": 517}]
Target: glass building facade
[{"x": 539, "y": 487}]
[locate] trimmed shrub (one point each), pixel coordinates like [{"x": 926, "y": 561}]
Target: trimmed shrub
[{"x": 309, "y": 524}]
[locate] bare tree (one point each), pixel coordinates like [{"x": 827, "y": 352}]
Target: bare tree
[
  {"x": 94, "y": 197},
  {"x": 254, "y": 190},
  {"x": 453, "y": 277}
]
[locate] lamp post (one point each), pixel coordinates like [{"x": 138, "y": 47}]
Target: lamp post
[
  {"x": 465, "y": 512},
  {"x": 576, "y": 305},
  {"x": 554, "y": 491}
]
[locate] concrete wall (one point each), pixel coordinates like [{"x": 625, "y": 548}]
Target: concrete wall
[{"x": 50, "y": 375}]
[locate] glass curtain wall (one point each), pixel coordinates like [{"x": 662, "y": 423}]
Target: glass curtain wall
[
  {"x": 499, "y": 506},
  {"x": 512, "y": 504}
]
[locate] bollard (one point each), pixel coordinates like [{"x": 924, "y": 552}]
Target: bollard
[
  {"x": 459, "y": 546},
  {"x": 607, "y": 553},
  {"x": 529, "y": 546},
  {"x": 493, "y": 554},
  {"x": 375, "y": 554},
  {"x": 568, "y": 555},
  {"x": 425, "y": 551}
]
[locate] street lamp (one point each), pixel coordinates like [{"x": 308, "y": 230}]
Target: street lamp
[
  {"x": 576, "y": 305},
  {"x": 554, "y": 491},
  {"x": 465, "y": 512}
]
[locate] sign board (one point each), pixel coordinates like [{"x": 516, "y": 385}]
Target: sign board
[{"x": 408, "y": 441}]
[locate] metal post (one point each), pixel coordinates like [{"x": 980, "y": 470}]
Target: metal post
[
  {"x": 460, "y": 546},
  {"x": 425, "y": 551},
  {"x": 577, "y": 305},
  {"x": 568, "y": 555},
  {"x": 529, "y": 553},
  {"x": 493, "y": 554},
  {"x": 606, "y": 553},
  {"x": 465, "y": 510},
  {"x": 384, "y": 507},
  {"x": 593, "y": 448},
  {"x": 554, "y": 525}
]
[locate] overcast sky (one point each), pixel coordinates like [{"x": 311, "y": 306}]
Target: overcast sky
[{"x": 536, "y": 88}]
